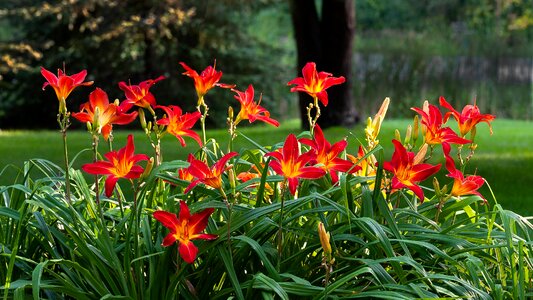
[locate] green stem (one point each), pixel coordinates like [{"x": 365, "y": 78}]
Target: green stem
[
  {"x": 64, "y": 123},
  {"x": 280, "y": 223}
]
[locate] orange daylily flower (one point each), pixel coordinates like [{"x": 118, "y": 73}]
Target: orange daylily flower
[
  {"x": 139, "y": 95},
  {"x": 469, "y": 117},
  {"x": 435, "y": 134},
  {"x": 185, "y": 229},
  {"x": 63, "y": 84},
  {"x": 102, "y": 114},
  {"x": 179, "y": 124},
  {"x": 207, "y": 80},
  {"x": 461, "y": 186},
  {"x": 407, "y": 171},
  {"x": 289, "y": 163},
  {"x": 250, "y": 110},
  {"x": 326, "y": 155},
  {"x": 209, "y": 176},
  {"x": 315, "y": 83},
  {"x": 121, "y": 164}
]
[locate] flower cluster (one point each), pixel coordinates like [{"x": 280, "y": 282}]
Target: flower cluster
[{"x": 310, "y": 159}]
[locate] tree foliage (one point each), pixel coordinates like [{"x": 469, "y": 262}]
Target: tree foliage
[{"x": 121, "y": 40}]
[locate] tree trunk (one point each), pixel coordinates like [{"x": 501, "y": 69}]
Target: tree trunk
[{"x": 328, "y": 42}]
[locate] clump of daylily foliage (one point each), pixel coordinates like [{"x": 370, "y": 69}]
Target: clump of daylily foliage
[{"x": 305, "y": 218}]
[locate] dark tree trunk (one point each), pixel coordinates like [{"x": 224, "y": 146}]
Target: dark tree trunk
[{"x": 327, "y": 42}]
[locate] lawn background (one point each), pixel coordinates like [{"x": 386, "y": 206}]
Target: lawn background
[{"x": 504, "y": 159}]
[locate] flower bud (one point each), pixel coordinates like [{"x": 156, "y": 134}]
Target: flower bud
[
  {"x": 415, "y": 129},
  {"x": 142, "y": 118},
  {"x": 96, "y": 120},
  {"x": 148, "y": 169},
  {"x": 397, "y": 135},
  {"x": 436, "y": 186},
  {"x": 408, "y": 134},
  {"x": 324, "y": 240},
  {"x": 89, "y": 127}
]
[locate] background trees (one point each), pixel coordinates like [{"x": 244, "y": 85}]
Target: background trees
[{"x": 406, "y": 49}]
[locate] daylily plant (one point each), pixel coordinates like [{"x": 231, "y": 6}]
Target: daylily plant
[
  {"x": 250, "y": 110},
  {"x": 179, "y": 124},
  {"x": 432, "y": 123},
  {"x": 326, "y": 155},
  {"x": 209, "y": 176},
  {"x": 407, "y": 170},
  {"x": 102, "y": 115},
  {"x": 63, "y": 84},
  {"x": 207, "y": 80},
  {"x": 315, "y": 83},
  {"x": 119, "y": 164},
  {"x": 185, "y": 229},
  {"x": 469, "y": 117},
  {"x": 140, "y": 95},
  {"x": 292, "y": 165}
]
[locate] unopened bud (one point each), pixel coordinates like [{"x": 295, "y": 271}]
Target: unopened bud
[
  {"x": 149, "y": 126},
  {"x": 89, "y": 127},
  {"x": 96, "y": 119},
  {"x": 116, "y": 102},
  {"x": 444, "y": 189},
  {"x": 408, "y": 134},
  {"x": 230, "y": 113},
  {"x": 436, "y": 186},
  {"x": 142, "y": 118},
  {"x": 421, "y": 155},
  {"x": 231, "y": 177},
  {"x": 415, "y": 129},
  {"x": 324, "y": 240},
  {"x": 148, "y": 169},
  {"x": 397, "y": 135}
]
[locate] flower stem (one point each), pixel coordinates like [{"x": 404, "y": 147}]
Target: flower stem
[
  {"x": 313, "y": 120},
  {"x": 280, "y": 224},
  {"x": 201, "y": 104},
  {"x": 64, "y": 123}
]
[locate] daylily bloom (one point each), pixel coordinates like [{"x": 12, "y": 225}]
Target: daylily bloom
[
  {"x": 434, "y": 132},
  {"x": 326, "y": 155},
  {"x": 462, "y": 186},
  {"x": 407, "y": 170},
  {"x": 250, "y": 110},
  {"x": 468, "y": 118},
  {"x": 139, "y": 95},
  {"x": 102, "y": 114},
  {"x": 180, "y": 125},
  {"x": 185, "y": 229},
  {"x": 206, "y": 80},
  {"x": 209, "y": 176},
  {"x": 289, "y": 163},
  {"x": 121, "y": 164},
  {"x": 64, "y": 84},
  {"x": 315, "y": 83}
]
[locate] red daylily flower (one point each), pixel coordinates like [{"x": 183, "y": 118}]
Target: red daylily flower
[
  {"x": 121, "y": 164},
  {"x": 185, "y": 229},
  {"x": 108, "y": 114},
  {"x": 315, "y": 83},
  {"x": 139, "y": 95},
  {"x": 209, "y": 176},
  {"x": 206, "y": 80},
  {"x": 63, "y": 84},
  {"x": 407, "y": 170},
  {"x": 292, "y": 165},
  {"x": 468, "y": 118},
  {"x": 250, "y": 110},
  {"x": 326, "y": 155},
  {"x": 461, "y": 186},
  {"x": 180, "y": 125},
  {"x": 435, "y": 134}
]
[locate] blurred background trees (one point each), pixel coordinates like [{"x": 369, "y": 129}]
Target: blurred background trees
[{"x": 408, "y": 50}]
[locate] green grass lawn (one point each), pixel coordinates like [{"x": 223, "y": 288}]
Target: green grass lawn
[{"x": 505, "y": 159}]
